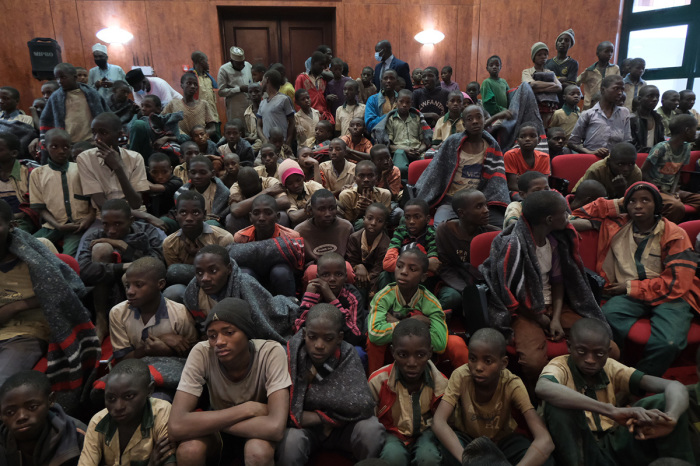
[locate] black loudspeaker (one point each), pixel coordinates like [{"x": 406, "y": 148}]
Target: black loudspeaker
[{"x": 45, "y": 54}]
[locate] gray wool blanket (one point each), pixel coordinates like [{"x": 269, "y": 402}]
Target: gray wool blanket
[
  {"x": 525, "y": 108},
  {"x": 437, "y": 177},
  {"x": 512, "y": 273},
  {"x": 273, "y": 316},
  {"x": 73, "y": 345},
  {"x": 328, "y": 394},
  {"x": 24, "y": 132},
  {"x": 262, "y": 255}
]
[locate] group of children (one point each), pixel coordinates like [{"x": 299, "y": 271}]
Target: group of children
[{"x": 282, "y": 262}]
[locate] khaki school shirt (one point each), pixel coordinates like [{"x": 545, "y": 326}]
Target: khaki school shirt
[
  {"x": 262, "y": 172},
  {"x": 299, "y": 201},
  {"x": 268, "y": 374},
  {"x": 128, "y": 330},
  {"x": 305, "y": 126},
  {"x": 347, "y": 201},
  {"x": 344, "y": 114},
  {"x": 335, "y": 181},
  {"x": 178, "y": 249},
  {"x": 78, "y": 116},
  {"x": 492, "y": 419},
  {"x": 16, "y": 285},
  {"x": 614, "y": 378},
  {"x": 235, "y": 191},
  {"x": 600, "y": 172},
  {"x": 96, "y": 177},
  {"x": 101, "y": 446},
  {"x": 48, "y": 191}
]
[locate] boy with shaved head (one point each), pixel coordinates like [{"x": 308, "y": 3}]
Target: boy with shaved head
[{"x": 588, "y": 428}]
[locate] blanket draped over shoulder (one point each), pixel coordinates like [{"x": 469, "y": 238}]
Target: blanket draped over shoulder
[
  {"x": 434, "y": 182},
  {"x": 24, "y": 132},
  {"x": 524, "y": 106},
  {"x": 262, "y": 255},
  {"x": 273, "y": 316},
  {"x": 512, "y": 274},
  {"x": 380, "y": 135},
  {"x": 328, "y": 394},
  {"x": 73, "y": 345}
]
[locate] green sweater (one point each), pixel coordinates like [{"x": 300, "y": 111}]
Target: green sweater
[
  {"x": 494, "y": 95},
  {"x": 387, "y": 301}
]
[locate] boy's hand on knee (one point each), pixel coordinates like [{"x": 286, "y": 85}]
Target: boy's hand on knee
[
  {"x": 555, "y": 332},
  {"x": 660, "y": 428}
]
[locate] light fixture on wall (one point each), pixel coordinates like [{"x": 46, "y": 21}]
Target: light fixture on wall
[
  {"x": 114, "y": 35},
  {"x": 429, "y": 36}
]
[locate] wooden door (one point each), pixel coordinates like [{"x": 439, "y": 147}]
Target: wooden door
[
  {"x": 299, "y": 39},
  {"x": 258, "y": 39},
  {"x": 270, "y": 35}
]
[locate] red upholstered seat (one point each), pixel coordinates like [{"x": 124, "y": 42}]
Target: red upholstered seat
[
  {"x": 692, "y": 228},
  {"x": 588, "y": 248},
  {"x": 572, "y": 167},
  {"x": 480, "y": 247},
  {"x": 641, "y": 158},
  {"x": 416, "y": 168},
  {"x": 689, "y": 168}
]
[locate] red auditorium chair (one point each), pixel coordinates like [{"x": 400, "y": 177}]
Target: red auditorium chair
[
  {"x": 416, "y": 168},
  {"x": 572, "y": 167},
  {"x": 641, "y": 158},
  {"x": 690, "y": 181}
]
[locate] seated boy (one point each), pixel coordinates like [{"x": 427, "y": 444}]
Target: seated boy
[
  {"x": 35, "y": 429},
  {"x": 556, "y": 141},
  {"x": 646, "y": 124},
  {"x": 36, "y": 288},
  {"x": 352, "y": 202},
  {"x": 188, "y": 149},
  {"x": 351, "y": 109},
  {"x": 663, "y": 167},
  {"x": 453, "y": 238},
  {"x": 581, "y": 390},
  {"x": 323, "y": 232},
  {"x": 338, "y": 173},
  {"x": 587, "y": 192},
  {"x": 616, "y": 172},
  {"x": 528, "y": 182},
  {"x": 194, "y": 233},
  {"x": 367, "y": 87},
  {"x": 309, "y": 165},
  {"x": 14, "y": 180},
  {"x": 408, "y": 299},
  {"x": 305, "y": 120},
  {"x": 162, "y": 188},
  {"x": 397, "y": 388},
  {"x": 389, "y": 174},
  {"x": 232, "y": 165},
  {"x": 250, "y": 116},
  {"x": 533, "y": 269},
  {"x": 245, "y": 190},
  {"x": 148, "y": 324},
  {"x": 283, "y": 149},
  {"x": 153, "y": 130},
  {"x": 196, "y": 112},
  {"x": 357, "y": 146},
  {"x": 109, "y": 171},
  {"x": 669, "y": 103},
  {"x": 9, "y": 100},
  {"x": 484, "y": 394},
  {"x": 452, "y": 122},
  {"x": 203, "y": 180},
  {"x": 264, "y": 218},
  {"x": 567, "y": 116},
  {"x": 237, "y": 144},
  {"x": 367, "y": 247},
  {"x": 56, "y": 194},
  {"x": 297, "y": 190},
  {"x": 120, "y": 103},
  {"x": 648, "y": 264},
  {"x": 138, "y": 421},
  {"x": 329, "y": 286},
  {"x": 525, "y": 158},
  {"x": 321, "y": 413},
  {"x": 200, "y": 136},
  {"x": 269, "y": 159},
  {"x": 405, "y": 132},
  {"x": 248, "y": 383}
]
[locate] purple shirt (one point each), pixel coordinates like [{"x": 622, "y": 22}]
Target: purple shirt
[
  {"x": 336, "y": 87},
  {"x": 452, "y": 87},
  {"x": 594, "y": 130}
]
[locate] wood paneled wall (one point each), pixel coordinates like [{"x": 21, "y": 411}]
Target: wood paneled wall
[{"x": 167, "y": 31}]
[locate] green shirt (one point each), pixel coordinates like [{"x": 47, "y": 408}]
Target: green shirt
[{"x": 494, "y": 95}]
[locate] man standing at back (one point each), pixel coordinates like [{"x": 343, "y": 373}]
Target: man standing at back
[
  {"x": 387, "y": 61},
  {"x": 234, "y": 79},
  {"x": 102, "y": 76}
]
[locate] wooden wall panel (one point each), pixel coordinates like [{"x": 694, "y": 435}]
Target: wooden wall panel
[
  {"x": 508, "y": 29},
  {"x": 371, "y": 23},
  {"x": 467, "y": 44},
  {"x": 65, "y": 20}
]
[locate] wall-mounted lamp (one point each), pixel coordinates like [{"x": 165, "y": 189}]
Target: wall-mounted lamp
[
  {"x": 114, "y": 35},
  {"x": 429, "y": 37}
]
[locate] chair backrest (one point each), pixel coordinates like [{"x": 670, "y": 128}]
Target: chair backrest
[
  {"x": 572, "y": 167},
  {"x": 416, "y": 168},
  {"x": 480, "y": 247},
  {"x": 692, "y": 228},
  {"x": 588, "y": 248},
  {"x": 641, "y": 158},
  {"x": 691, "y": 166}
]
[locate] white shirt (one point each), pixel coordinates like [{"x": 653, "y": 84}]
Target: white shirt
[{"x": 161, "y": 88}]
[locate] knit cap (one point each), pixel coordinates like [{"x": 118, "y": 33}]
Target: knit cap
[
  {"x": 536, "y": 47},
  {"x": 289, "y": 167},
  {"x": 569, "y": 32},
  {"x": 658, "y": 202},
  {"x": 235, "y": 311}
]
